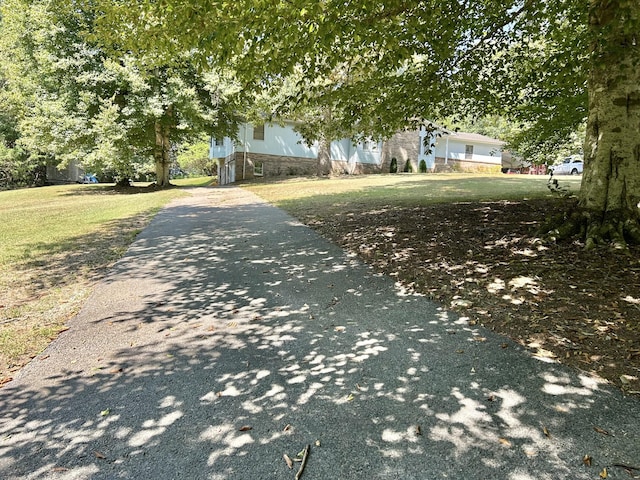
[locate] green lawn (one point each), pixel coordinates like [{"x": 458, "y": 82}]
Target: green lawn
[
  {"x": 345, "y": 193},
  {"x": 56, "y": 242}
]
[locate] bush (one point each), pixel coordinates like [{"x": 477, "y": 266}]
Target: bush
[
  {"x": 394, "y": 166},
  {"x": 408, "y": 168},
  {"x": 423, "y": 166}
]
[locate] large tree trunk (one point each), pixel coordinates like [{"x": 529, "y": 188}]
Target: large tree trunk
[
  {"x": 162, "y": 148},
  {"x": 323, "y": 165},
  {"x": 610, "y": 190}
]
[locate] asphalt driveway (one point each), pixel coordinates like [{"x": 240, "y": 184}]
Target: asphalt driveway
[{"x": 230, "y": 335}]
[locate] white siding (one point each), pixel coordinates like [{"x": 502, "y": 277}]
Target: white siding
[
  {"x": 482, "y": 152},
  {"x": 341, "y": 150},
  {"x": 365, "y": 152},
  {"x": 221, "y": 151},
  {"x": 278, "y": 140}
]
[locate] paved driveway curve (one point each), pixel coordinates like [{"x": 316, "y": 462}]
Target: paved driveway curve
[{"x": 230, "y": 335}]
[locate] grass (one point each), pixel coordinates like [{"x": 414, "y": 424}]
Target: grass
[
  {"x": 350, "y": 193},
  {"x": 56, "y": 243}
]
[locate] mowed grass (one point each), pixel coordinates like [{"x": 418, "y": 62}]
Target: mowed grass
[
  {"x": 345, "y": 194},
  {"x": 56, "y": 243}
]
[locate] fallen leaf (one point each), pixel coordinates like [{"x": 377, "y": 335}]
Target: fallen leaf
[
  {"x": 542, "y": 353},
  {"x": 491, "y": 398},
  {"x": 604, "y": 473},
  {"x": 602, "y": 431},
  {"x": 418, "y": 430},
  {"x": 60, "y": 469},
  {"x": 546, "y": 432},
  {"x": 115, "y": 370},
  {"x": 245, "y": 428},
  {"x": 317, "y": 443},
  {"x": 350, "y": 397},
  {"x": 105, "y": 412},
  {"x": 286, "y": 428},
  {"x": 340, "y": 329},
  {"x": 627, "y": 379},
  {"x": 288, "y": 460},
  {"x": 99, "y": 455},
  {"x": 505, "y": 442},
  {"x": 587, "y": 460}
]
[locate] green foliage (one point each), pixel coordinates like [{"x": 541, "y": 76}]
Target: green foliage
[
  {"x": 408, "y": 168},
  {"x": 194, "y": 159},
  {"x": 366, "y": 69},
  {"x": 393, "y": 168},
  {"x": 423, "y": 166},
  {"x": 79, "y": 104}
]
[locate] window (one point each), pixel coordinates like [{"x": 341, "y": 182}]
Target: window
[
  {"x": 258, "y": 132},
  {"x": 468, "y": 152},
  {"x": 218, "y": 142},
  {"x": 258, "y": 169}
]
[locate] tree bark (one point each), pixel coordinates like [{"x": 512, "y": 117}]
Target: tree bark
[
  {"x": 162, "y": 149},
  {"x": 323, "y": 165},
  {"x": 610, "y": 192}
]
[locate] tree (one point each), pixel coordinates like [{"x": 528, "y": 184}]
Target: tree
[
  {"x": 393, "y": 167},
  {"x": 194, "y": 158},
  {"x": 610, "y": 194},
  {"x": 115, "y": 114},
  {"x": 544, "y": 63}
]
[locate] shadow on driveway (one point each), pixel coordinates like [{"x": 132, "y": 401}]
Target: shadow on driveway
[{"x": 230, "y": 334}]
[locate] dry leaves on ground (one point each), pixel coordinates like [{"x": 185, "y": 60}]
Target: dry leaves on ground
[{"x": 485, "y": 261}]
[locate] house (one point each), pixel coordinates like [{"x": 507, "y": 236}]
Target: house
[
  {"x": 70, "y": 173},
  {"x": 277, "y": 149},
  {"x": 444, "y": 150},
  {"x": 516, "y": 164}
]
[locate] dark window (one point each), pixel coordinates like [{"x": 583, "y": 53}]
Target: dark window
[
  {"x": 468, "y": 152},
  {"x": 258, "y": 132}
]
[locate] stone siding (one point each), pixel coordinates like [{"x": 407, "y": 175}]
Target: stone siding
[
  {"x": 454, "y": 165},
  {"x": 344, "y": 168},
  {"x": 273, "y": 165},
  {"x": 403, "y": 145}
]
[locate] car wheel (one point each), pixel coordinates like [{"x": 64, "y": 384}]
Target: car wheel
[{"x": 574, "y": 171}]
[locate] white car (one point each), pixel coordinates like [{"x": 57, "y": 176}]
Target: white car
[{"x": 569, "y": 166}]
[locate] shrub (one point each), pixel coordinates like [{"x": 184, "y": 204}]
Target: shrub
[
  {"x": 408, "y": 168},
  {"x": 423, "y": 166},
  {"x": 393, "y": 168}
]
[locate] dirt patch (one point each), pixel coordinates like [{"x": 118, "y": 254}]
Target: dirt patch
[
  {"x": 485, "y": 261},
  {"x": 38, "y": 296}
]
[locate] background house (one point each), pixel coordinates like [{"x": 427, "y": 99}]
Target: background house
[
  {"x": 72, "y": 172},
  {"x": 277, "y": 149},
  {"x": 443, "y": 150}
]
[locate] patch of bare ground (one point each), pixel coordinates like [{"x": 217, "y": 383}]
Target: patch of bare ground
[
  {"x": 38, "y": 296},
  {"x": 484, "y": 261}
]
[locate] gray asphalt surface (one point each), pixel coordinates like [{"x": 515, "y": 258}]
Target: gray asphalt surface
[{"x": 230, "y": 335}]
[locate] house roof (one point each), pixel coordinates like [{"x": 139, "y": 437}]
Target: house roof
[{"x": 476, "y": 137}]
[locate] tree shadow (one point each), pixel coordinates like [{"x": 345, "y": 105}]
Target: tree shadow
[{"x": 230, "y": 335}]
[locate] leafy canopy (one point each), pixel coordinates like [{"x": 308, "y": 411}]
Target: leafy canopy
[{"x": 377, "y": 65}]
